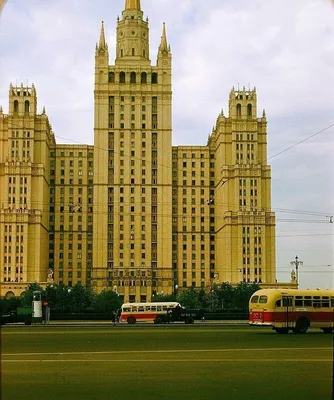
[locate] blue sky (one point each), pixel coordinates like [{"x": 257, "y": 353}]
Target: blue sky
[{"x": 284, "y": 48}]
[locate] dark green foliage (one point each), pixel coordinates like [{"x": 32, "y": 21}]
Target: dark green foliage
[
  {"x": 220, "y": 297},
  {"x": 106, "y": 302},
  {"x": 161, "y": 297},
  {"x": 10, "y": 304},
  {"x": 26, "y": 299}
]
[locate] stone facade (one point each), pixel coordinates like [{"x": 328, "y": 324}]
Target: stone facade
[{"x": 133, "y": 211}]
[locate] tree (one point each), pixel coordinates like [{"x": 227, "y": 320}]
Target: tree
[
  {"x": 80, "y": 298},
  {"x": 226, "y": 294},
  {"x": 189, "y": 298},
  {"x": 26, "y": 299},
  {"x": 106, "y": 302},
  {"x": 163, "y": 297},
  {"x": 243, "y": 292}
]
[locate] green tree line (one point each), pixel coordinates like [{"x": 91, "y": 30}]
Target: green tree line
[{"x": 79, "y": 299}]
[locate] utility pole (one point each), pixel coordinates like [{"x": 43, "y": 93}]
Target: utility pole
[{"x": 296, "y": 263}]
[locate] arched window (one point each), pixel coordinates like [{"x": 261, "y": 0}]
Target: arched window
[
  {"x": 133, "y": 52},
  {"x": 133, "y": 77},
  {"x": 26, "y": 107},
  {"x": 111, "y": 77},
  {"x": 238, "y": 110},
  {"x": 154, "y": 77},
  {"x": 122, "y": 52},
  {"x": 249, "y": 111},
  {"x": 122, "y": 77},
  {"x": 9, "y": 295},
  {"x": 16, "y": 106},
  {"x": 143, "y": 77}
]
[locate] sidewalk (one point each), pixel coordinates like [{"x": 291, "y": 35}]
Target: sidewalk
[{"x": 109, "y": 322}]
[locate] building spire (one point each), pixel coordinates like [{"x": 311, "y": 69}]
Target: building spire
[
  {"x": 132, "y": 5},
  {"x": 102, "y": 42},
  {"x": 163, "y": 44}
]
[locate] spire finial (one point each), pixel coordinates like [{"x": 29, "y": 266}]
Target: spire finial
[
  {"x": 43, "y": 112},
  {"x": 264, "y": 113},
  {"x": 163, "y": 44},
  {"x": 102, "y": 42},
  {"x": 132, "y": 5}
]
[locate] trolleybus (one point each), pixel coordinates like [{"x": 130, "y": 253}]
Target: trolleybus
[
  {"x": 146, "y": 312},
  {"x": 293, "y": 309}
]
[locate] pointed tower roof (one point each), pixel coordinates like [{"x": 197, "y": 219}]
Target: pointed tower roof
[
  {"x": 132, "y": 5},
  {"x": 163, "y": 44},
  {"x": 102, "y": 42}
]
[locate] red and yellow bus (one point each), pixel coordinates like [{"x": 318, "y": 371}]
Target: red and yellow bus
[
  {"x": 146, "y": 312},
  {"x": 292, "y": 309}
]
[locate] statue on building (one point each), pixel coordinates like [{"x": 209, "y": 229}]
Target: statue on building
[
  {"x": 293, "y": 276},
  {"x": 50, "y": 275}
]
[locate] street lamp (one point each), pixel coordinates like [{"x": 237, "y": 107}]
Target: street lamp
[{"x": 296, "y": 264}]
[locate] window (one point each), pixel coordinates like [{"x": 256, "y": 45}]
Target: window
[
  {"x": 111, "y": 77},
  {"x": 133, "y": 75},
  {"x": 143, "y": 77},
  {"x": 122, "y": 77},
  {"x": 154, "y": 78},
  {"x": 238, "y": 110},
  {"x": 263, "y": 299}
]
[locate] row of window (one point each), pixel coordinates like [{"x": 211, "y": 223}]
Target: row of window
[
  {"x": 18, "y": 270},
  {"x": 26, "y": 106},
  {"x": 124, "y": 77},
  {"x": 193, "y": 155}
]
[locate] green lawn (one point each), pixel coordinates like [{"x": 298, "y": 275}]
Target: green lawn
[{"x": 161, "y": 362}]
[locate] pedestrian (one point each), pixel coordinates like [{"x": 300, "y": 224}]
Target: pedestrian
[{"x": 113, "y": 318}]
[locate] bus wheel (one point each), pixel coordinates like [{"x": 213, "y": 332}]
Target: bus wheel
[
  {"x": 302, "y": 325},
  {"x": 282, "y": 330},
  {"x": 158, "y": 320},
  {"x": 327, "y": 330},
  {"x": 131, "y": 320},
  {"x": 189, "y": 320}
]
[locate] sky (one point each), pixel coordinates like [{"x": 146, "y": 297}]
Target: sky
[{"x": 283, "y": 48}]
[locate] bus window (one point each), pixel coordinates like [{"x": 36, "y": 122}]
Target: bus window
[
  {"x": 308, "y": 301},
  {"x": 263, "y": 299},
  {"x": 287, "y": 301},
  {"x": 126, "y": 309},
  {"x": 141, "y": 308},
  {"x": 299, "y": 301},
  {"x": 153, "y": 308},
  {"x": 134, "y": 309},
  {"x": 316, "y": 302},
  {"x": 325, "y": 301},
  {"x": 332, "y": 301},
  {"x": 148, "y": 308},
  {"x": 278, "y": 303},
  {"x": 164, "y": 308},
  {"x": 255, "y": 299},
  {"x": 159, "y": 308}
]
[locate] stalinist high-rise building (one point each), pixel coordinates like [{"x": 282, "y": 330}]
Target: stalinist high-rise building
[{"x": 133, "y": 211}]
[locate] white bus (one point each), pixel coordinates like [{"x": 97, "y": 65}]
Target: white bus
[{"x": 146, "y": 312}]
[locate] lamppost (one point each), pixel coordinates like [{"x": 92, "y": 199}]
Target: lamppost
[
  {"x": 296, "y": 264},
  {"x": 176, "y": 287}
]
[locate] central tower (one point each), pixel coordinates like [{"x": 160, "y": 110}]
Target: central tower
[{"x": 133, "y": 163}]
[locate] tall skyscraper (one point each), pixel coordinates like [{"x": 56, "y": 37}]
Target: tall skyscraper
[{"x": 134, "y": 212}]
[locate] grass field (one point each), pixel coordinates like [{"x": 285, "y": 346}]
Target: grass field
[{"x": 164, "y": 362}]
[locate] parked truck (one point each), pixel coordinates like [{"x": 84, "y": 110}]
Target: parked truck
[
  {"x": 21, "y": 314},
  {"x": 181, "y": 314}
]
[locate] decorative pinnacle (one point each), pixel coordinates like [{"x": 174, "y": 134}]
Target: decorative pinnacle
[
  {"x": 132, "y": 5},
  {"x": 102, "y": 42},
  {"x": 163, "y": 44}
]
